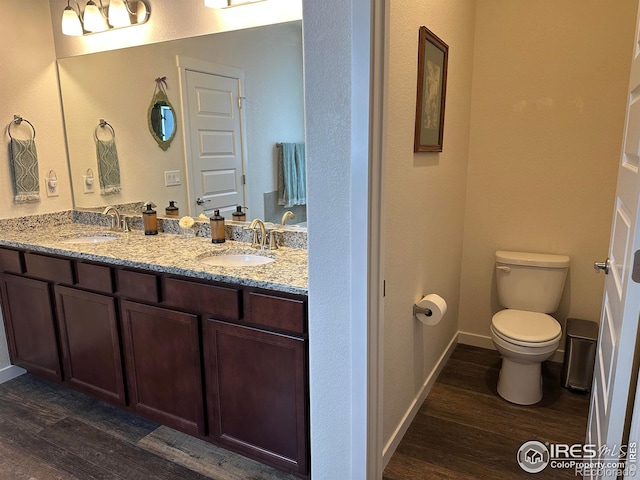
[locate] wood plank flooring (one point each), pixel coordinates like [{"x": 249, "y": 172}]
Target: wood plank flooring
[
  {"x": 49, "y": 432},
  {"x": 464, "y": 430}
]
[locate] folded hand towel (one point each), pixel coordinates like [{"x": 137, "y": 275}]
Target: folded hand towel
[
  {"x": 108, "y": 166},
  {"x": 24, "y": 167}
]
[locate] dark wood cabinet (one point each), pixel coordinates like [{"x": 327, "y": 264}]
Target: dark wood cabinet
[
  {"x": 162, "y": 360},
  {"x": 224, "y": 362},
  {"x": 90, "y": 343},
  {"x": 30, "y": 326},
  {"x": 256, "y": 392}
]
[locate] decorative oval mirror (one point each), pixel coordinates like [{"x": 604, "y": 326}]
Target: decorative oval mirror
[{"x": 161, "y": 116}]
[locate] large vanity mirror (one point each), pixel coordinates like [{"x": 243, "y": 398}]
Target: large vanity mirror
[{"x": 265, "y": 68}]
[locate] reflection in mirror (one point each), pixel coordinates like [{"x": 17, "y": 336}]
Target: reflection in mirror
[
  {"x": 162, "y": 118},
  {"x": 272, "y": 110}
]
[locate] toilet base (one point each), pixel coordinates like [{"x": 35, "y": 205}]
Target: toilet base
[{"x": 520, "y": 383}]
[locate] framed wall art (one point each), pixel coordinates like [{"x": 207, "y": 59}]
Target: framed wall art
[{"x": 433, "y": 56}]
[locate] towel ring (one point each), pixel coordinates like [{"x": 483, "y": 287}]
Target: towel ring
[
  {"x": 17, "y": 119},
  {"x": 104, "y": 124}
]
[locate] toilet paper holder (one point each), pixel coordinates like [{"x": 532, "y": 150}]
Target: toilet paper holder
[{"x": 417, "y": 310}]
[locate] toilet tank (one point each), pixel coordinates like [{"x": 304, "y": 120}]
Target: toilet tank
[{"x": 530, "y": 281}]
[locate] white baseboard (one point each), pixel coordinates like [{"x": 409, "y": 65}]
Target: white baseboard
[
  {"x": 485, "y": 342},
  {"x": 401, "y": 429},
  {"x": 10, "y": 372}
]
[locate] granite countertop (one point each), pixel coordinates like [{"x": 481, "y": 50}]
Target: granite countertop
[{"x": 165, "y": 252}]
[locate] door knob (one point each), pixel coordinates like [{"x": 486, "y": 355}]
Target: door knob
[
  {"x": 200, "y": 201},
  {"x": 604, "y": 266}
]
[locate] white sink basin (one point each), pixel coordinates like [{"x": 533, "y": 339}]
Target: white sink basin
[
  {"x": 91, "y": 239},
  {"x": 236, "y": 260}
]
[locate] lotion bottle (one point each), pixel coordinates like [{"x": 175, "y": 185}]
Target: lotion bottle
[
  {"x": 150, "y": 220},
  {"x": 217, "y": 227},
  {"x": 172, "y": 210},
  {"x": 239, "y": 215}
]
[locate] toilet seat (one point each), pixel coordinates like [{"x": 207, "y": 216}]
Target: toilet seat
[{"x": 529, "y": 329}]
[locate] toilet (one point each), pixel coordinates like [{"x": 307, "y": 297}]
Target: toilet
[{"x": 529, "y": 287}]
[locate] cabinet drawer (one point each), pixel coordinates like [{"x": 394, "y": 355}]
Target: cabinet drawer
[
  {"x": 220, "y": 302},
  {"x": 280, "y": 313},
  {"x": 49, "y": 268},
  {"x": 94, "y": 277},
  {"x": 140, "y": 286},
  {"x": 11, "y": 261}
]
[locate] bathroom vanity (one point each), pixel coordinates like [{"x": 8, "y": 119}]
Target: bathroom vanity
[{"x": 224, "y": 361}]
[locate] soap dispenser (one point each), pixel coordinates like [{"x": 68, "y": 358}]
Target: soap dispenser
[
  {"x": 150, "y": 219},
  {"x": 172, "y": 210},
  {"x": 217, "y": 227},
  {"x": 239, "y": 215}
]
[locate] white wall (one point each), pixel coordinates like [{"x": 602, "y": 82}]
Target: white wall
[
  {"x": 424, "y": 205},
  {"x": 118, "y": 86},
  {"x": 337, "y": 171},
  {"x": 547, "y": 111}
]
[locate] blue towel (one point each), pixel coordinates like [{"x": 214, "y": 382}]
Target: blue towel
[{"x": 292, "y": 175}]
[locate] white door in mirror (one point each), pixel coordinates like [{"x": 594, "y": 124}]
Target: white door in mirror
[{"x": 215, "y": 162}]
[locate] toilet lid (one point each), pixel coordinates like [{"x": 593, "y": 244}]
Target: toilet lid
[{"x": 523, "y": 326}]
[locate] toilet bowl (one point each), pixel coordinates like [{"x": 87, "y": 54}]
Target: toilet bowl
[
  {"x": 529, "y": 286},
  {"x": 524, "y": 340}
]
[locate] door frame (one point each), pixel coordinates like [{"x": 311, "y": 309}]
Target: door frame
[{"x": 195, "y": 65}]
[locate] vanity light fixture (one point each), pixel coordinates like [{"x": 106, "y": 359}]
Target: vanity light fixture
[{"x": 98, "y": 18}]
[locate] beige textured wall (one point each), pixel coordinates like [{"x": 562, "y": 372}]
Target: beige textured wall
[
  {"x": 29, "y": 88},
  {"x": 424, "y": 200},
  {"x": 547, "y": 112}
]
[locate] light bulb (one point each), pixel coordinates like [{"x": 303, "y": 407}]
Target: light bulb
[
  {"x": 93, "y": 19},
  {"x": 71, "y": 22},
  {"x": 118, "y": 14}
]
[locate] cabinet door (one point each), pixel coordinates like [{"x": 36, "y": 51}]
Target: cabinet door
[
  {"x": 90, "y": 343},
  {"x": 29, "y": 320},
  {"x": 162, "y": 361},
  {"x": 257, "y": 393}
]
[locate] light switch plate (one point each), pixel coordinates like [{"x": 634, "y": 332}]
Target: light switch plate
[{"x": 172, "y": 178}]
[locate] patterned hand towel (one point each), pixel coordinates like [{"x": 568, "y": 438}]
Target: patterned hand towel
[
  {"x": 24, "y": 168},
  {"x": 108, "y": 166}
]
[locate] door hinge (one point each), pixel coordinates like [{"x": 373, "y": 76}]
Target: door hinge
[
  {"x": 240, "y": 101},
  {"x": 244, "y": 179},
  {"x": 635, "y": 273}
]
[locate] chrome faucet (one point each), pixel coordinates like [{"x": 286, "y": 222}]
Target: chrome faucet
[
  {"x": 255, "y": 224},
  {"x": 118, "y": 221},
  {"x": 288, "y": 214}
]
